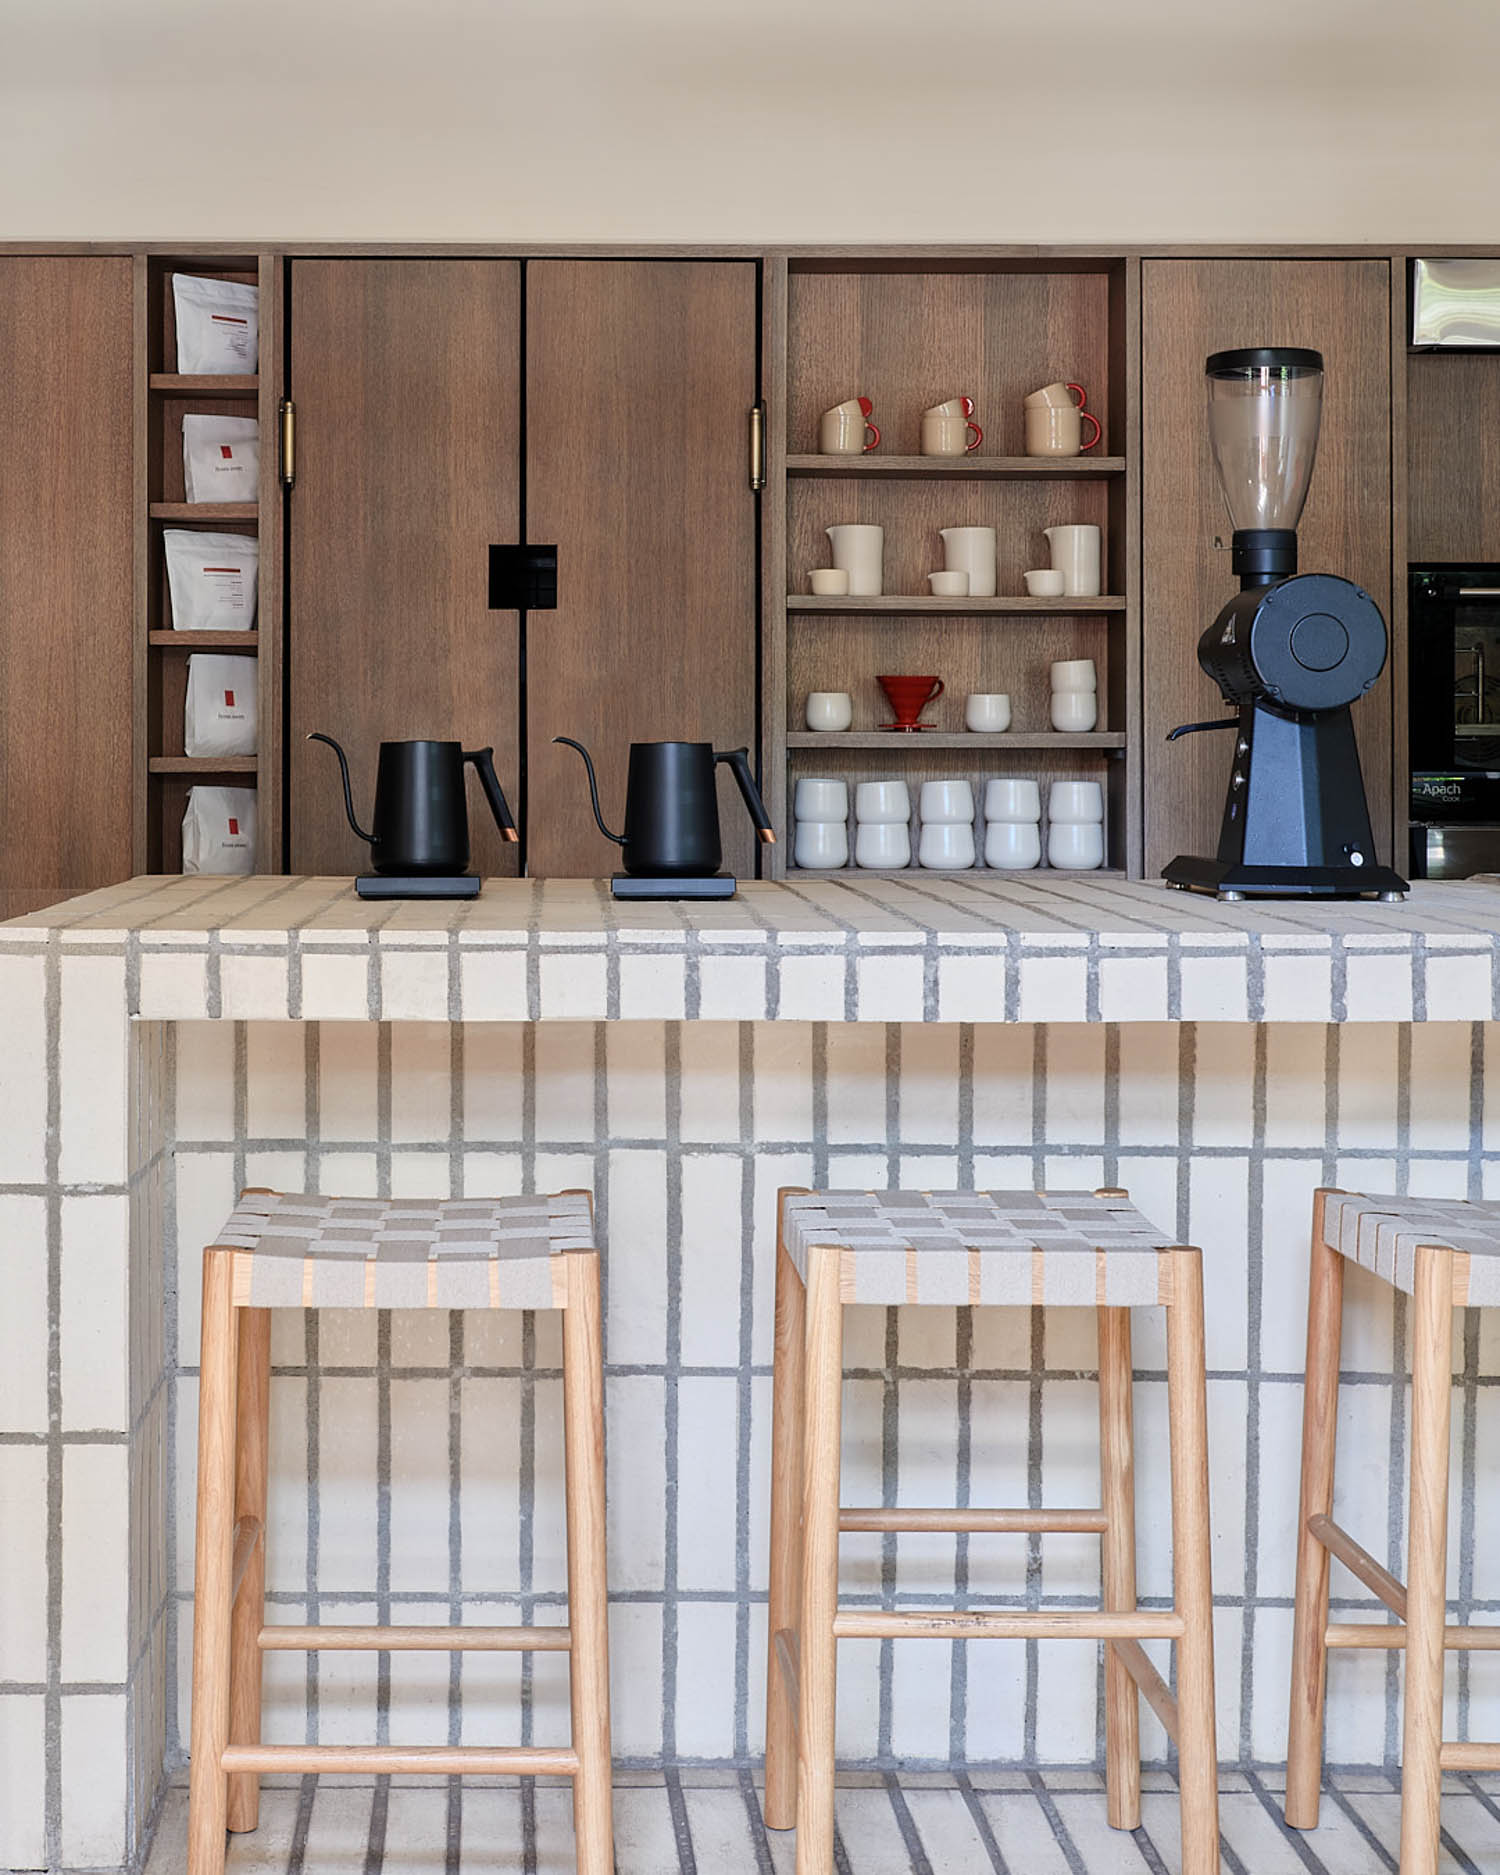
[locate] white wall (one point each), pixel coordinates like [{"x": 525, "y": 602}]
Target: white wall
[{"x": 781, "y": 120}]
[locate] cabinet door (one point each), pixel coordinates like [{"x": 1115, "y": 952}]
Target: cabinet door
[
  {"x": 639, "y": 379},
  {"x": 66, "y": 559},
  {"x": 1190, "y": 308},
  {"x": 406, "y": 378}
]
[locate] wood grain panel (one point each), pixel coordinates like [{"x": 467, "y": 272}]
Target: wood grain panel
[
  {"x": 908, "y": 340},
  {"x": 406, "y": 377},
  {"x": 1453, "y": 456},
  {"x": 1189, "y": 309},
  {"x": 67, "y": 425},
  {"x": 639, "y": 379}
]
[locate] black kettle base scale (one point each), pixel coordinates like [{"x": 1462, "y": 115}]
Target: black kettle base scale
[
  {"x": 1230, "y": 881},
  {"x": 419, "y": 885},
  {"x": 636, "y": 885}
]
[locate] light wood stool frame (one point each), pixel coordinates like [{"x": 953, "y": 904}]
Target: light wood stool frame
[
  {"x": 806, "y": 1622},
  {"x": 1420, "y": 1605},
  {"x": 230, "y": 1637}
]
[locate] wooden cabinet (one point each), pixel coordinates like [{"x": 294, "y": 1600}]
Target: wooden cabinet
[
  {"x": 406, "y": 380},
  {"x": 1190, "y": 308},
  {"x": 640, "y": 376},
  {"x": 66, "y": 558}
]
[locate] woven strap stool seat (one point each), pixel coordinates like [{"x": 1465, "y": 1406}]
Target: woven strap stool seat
[
  {"x": 947, "y": 1249},
  {"x": 305, "y": 1251},
  {"x": 1444, "y": 1253}
]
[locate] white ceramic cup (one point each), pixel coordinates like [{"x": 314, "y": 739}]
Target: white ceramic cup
[
  {"x": 1075, "y": 846},
  {"x": 1012, "y": 845},
  {"x": 971, "y": 550},
  {"x": 1078, "y": 802},
  {"x": 1074, "y": 674},
  {"x": 954, "y": 585},
  {"x": 888, "y": 801},
  {"x": 1011, "y": 798},
  {"x": 821, "y": 845},
  {"x": 882, "y": 845},
  {"x": 947, "y": 802},
  {"x": 820, "y": 799},
  {"x": 860, "y": 550},
  {"x": 987, "y": 712},
  {"x": 949, "y": 436},
  {"x": 1074, "y": 712},
  {"x": 828, "y": 710},
  {"x": 1044, "y": 582},
  {"x": 831, "y": 581},
  {"x": 946, "y": 846},
  {"x": 1075, "y": 554},
  {"x": 846, "y": 430}
]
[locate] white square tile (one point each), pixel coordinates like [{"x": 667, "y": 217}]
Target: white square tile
[
  {"x": 94, "y": 1032},
  {"x": 335, "y": 986},
  {"x": 1132, "y": 989},
  {"x": 1148, "y": 1086},
  {"x": 1297, "y": 989},
  {"x": 96, "y": 1570},
  {"x": 413, "y": 985},
  {"x": 1054, "y": 989},
  {"x": 493, "y": 985},
  {"x": 929, "y": 1083},
  {"x": 971, "y": 989},
  {"x": 890, "y": 989},
  {"x": 574, "y": 986},
  {"x": 174, "y": 985},
  {"x": 637, "y": 1487},
  {"x": 23, "y": 1781},
  {"x": 1368, "y": 1084},
  {"x": 95, "y": 1308},
  {"x": 652, "y": 988},
  {"x": 732, "y": 989},
  {"x": 1074, "y": 1085},
  {"x": 635, "y": 1678},
  {"x": 348, "y": 1090},
  {"x": 811, "y": 988},
  {"x": 493, "y": 1090},
  {"x": 709, "y": 1079},
  {"x": 708, "y": 1471},
  {"x": 252, "y": 988},
  {"x": 1213, "y": 989},
  {"x": 781, "y": 1080},
  {"x": 856, "y": 1084},
  {"x": 635, "y": 1066},
  {"x": 205, "y": 1080},
  {"x": 714, "y": 1188},
  {"x": 489, "y": 1501},
  {"x": 565, "y": 1074},
  {"x": 276, "y": 1080},
  {"x": 421, "y": 1081},
  {"x": 23, "y": 1581},
  {"x": 1224, "y": 1085},
  {"x": 1377, "y": 989},
  {"x": 23, "y": 1320},
  {"x": 419, "y": 1487},
  {"x": 636, "y": 1271}
]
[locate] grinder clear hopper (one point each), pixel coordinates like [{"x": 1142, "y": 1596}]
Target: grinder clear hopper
[{"x": 1264, "y": 405}]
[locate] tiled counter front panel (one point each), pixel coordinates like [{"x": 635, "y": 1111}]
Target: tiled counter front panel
[{"x": 417, "y": 1457}]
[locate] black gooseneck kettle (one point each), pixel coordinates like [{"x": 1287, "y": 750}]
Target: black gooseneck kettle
[
  {"x": 672, "y": 807},
  {"x": 421, "y": 810}
]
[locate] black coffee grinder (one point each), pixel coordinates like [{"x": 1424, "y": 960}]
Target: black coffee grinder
[{"x": 1289, "y": 653}]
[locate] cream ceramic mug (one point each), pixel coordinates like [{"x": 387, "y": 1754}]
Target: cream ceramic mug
[
  {"x": 954, "y": 407},
  {"x": 846, "y": 430},
  {"x": 828, "y": 711},
  {"x": 949, "y": 436},
  {"x": 1058, "y": 395},
  {"x": 1053, "y": 431}
]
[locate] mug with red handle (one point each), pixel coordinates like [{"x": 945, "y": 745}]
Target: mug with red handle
[
  {"x": 949, "y": 429},
  {"x": 846, "y": 430},
  {"x": 1054, "y": 421}
]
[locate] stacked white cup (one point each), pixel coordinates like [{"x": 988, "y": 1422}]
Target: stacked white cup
[
  {"x": 1075, "y": 698},
  {"x": 822, "y": 837},
  {"x": 1012, "y": 829},
  {"x": 882, "y": 825},
  {"x": 947, "y": 842},
  {"x": 1075, "y": 825}
]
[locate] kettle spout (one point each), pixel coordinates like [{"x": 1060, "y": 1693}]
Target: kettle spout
[
  {"x": 588, "y": 762},
  {"x": 738, "y": 761},
  {"x": 316, "y": 735}
]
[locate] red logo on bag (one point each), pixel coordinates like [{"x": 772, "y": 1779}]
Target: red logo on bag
[
  {"x": 228, "y": 699},
  {"x": 226, "y": 452},
  {"x": 234, "y": 826}
]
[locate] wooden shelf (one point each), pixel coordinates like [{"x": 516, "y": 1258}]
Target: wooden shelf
[
  {"x": 925, "y": 603},
  {"x": 204, "y": 510},
  {"x": 203, "y": 764},
  {"x": 205, "y": 641},
  {"x": 959, "y": 468},
  {"x": 890, "y": 740},
  {"x": 203, "y": 384}
]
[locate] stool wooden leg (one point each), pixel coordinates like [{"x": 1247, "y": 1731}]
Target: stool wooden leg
[
  {"x": 1320, "y": 1408},
  {"x": 1197, "y": 1748},
  {"x": 785, "y": 1613},
  {"x": 822, "y": 1413},
  {"x": 1122, "y": 1702},
  {"x": 1427, "y": 1559},
  {"x": 588, "y": 1591},
  {"x": 249, "y": 1609},
  {"x": 208, "y": 1793}
]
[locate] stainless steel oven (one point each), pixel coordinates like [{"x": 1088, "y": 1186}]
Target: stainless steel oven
[{"x": 1453, "y": 703}]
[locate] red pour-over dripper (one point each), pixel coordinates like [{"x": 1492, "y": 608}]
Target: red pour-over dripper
[{"x": 908, "y": 697}]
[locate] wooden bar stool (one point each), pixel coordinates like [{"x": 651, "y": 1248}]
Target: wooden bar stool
[
  {"x": 1444, "y": 1254},
  {"x": 306, "y": 1252},
  {"x": 1020, "y": 1249}
]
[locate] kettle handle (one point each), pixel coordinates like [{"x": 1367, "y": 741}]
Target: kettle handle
[
  {"x": 588, "y": 762},
  {"x": 316, "y": 735},
  {"x": 739, "y": 761},
  {"x": 484, "y": 762}
]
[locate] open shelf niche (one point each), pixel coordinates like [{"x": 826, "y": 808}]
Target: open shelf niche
[
  {"x": 908, "y": 334},
  {"x": 164, "y": 395}
]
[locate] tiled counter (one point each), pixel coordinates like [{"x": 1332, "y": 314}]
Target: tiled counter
[{"x": 168, "y": 1040}]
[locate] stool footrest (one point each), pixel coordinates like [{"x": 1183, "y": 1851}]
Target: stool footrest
[
  {"x": 978, "y": 1521},
  {"x": 957, "y": 1624},
  {"x": 415, "y": 1640},
  {"x": 1376, "y": 1634},
  {"x": 1158, "y": 1695},
  {"x": 1360, "y": 1563},
  {"x": 408, "y": 1760},
  {"x": 247, "y": 1533},
  {"x": 1470, "y": 1756}
]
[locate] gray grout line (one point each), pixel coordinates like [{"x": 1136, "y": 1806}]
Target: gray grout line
[
  {"x": 672, "y": 1396},
  {"x": 682, "y": 1829},
  {"x": 755, "y": 1825},
  {"x": 744, "y": 1398},
  {"x": 1295, "y": 1839},
  {"x": 1341, "y": 1801},
  {"x": 916, "y": 1854},
  {"x": 56, "y": 1561},
  {"x": 1059, "y": 1829},
  {"x": 1255, "y": 1302},
  {"x": 979, "y": 1817}
]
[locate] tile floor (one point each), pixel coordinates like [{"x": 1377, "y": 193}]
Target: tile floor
[{"x": 1010, "y": 1822}]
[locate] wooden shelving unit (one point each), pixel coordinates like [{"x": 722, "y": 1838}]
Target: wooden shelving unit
[
  {"x": 163, "y": 772},
  {"x": 908, "y": 332}
]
